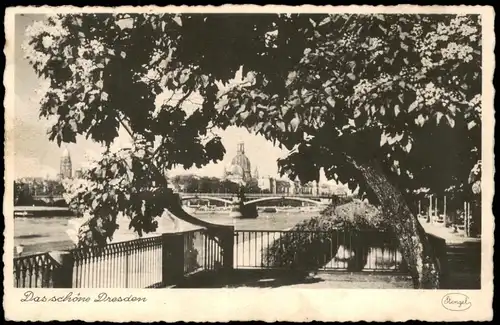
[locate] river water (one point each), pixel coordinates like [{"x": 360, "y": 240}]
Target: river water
[{"x": 51, "y": 233}]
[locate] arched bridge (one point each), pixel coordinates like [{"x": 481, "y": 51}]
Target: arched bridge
[
  {"x": 294, "y": 198},
  {"x": 230, "y": 198},
  {"x": 205, "y": 197},
  {"x": 48, "y": 197},
  {"x": 253, "y": 198}
]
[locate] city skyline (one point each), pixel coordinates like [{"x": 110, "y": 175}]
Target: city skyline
[{"x": 227, "y": 161}]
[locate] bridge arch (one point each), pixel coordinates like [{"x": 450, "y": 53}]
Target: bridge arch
[
  {"x": 205, "y": 197},
  {"x": 295, "y": 198}
]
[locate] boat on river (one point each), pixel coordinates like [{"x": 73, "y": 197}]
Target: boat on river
[{"x": 41, "y": 211}]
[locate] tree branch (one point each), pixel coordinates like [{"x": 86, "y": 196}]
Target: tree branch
[{"x": 126, "y": 127}]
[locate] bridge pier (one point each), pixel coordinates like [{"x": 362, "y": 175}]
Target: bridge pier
[{"x": 236, "y": 211}]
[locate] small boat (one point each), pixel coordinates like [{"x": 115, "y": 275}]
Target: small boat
[
  {"x": 270, "y": 210},
  {"x": 189, "y": 210},
  {"x": 23, "y": 214}
]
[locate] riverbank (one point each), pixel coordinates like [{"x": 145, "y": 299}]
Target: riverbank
[
  {"x": 41, "y": 211},
  {"x": 49, "y": 211}
]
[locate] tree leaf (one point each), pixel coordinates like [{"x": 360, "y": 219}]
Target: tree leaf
[
  {"x": 382, "y": 110},
  {"x": 281, "y": 126},
  {"x": 294, "y": 123},
  {"x": 331, "y": 101},
  {"x": 244, "y": 116},
  {"x": 412, "y": 106},
  {"x": 396, "y": 110},
  {"x": 420, "y": 120},
  {"x": 451, "y": 121},
  {"x": 325, "y": 21},
  {"x": 439, "y": 115},
  {"x": 383, "y": 139},
  {"x": 408, "y": 146},
  {"x": 291, "y": 77}
]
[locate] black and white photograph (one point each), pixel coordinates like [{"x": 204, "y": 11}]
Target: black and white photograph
[{"x": 183, "y": 149}]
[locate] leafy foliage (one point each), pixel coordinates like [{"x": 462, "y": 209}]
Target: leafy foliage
[
  {"x": 22, "y": 194},
  {"x": 401, "y": 90},
  {"x": 313, "y": 243}
]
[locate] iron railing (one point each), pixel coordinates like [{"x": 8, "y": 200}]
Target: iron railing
[
  {"x": 166, "y": 259},
  {"x": 140, "y": 263},
  {"x": 201, "y": 251},
  {"x": 130, "y": 264},
  {"x": 34, "y": 271},
  {"x": 346, "y": 250}
]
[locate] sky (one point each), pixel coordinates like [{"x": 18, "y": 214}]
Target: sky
[{"x": 36, "y": 156}]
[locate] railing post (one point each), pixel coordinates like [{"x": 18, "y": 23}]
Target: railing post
[
  {"x": 172, "y": 258},
  {"x": 228, "y": 248},
  {"x": 429, "y": 213},
  {"x": 444, "y": 211},
  {"x": 63, "y": 275}
]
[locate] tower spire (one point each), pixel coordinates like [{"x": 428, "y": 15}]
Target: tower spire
[
  {"x": 241, "y": 148},
  {"x": 65, "y": 165}
]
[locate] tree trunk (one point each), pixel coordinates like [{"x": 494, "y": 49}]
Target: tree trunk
[{"x": 414, "y": 245}]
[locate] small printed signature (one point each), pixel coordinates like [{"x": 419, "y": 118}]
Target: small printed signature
[{"x": 456, "y": 302}]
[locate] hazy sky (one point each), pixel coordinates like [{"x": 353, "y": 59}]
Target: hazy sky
[{"x": 35, "y": 155}]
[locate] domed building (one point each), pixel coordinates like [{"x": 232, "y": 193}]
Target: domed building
[{"x": 239, "y": 169}]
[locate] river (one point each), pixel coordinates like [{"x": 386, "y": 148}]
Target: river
[{"x": 51, "y": 233}]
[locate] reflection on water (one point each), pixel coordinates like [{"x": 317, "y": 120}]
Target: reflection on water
[
  {"x": 51, "y": 233},
  {"x": 265, "y": 221}
]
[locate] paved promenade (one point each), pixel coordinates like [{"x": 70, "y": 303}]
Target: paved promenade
[
  {"x": 463, "y": 255},
  {"x": 447, "y": 234}
]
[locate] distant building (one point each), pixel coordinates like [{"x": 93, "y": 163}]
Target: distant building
[
  {"x": 239, "y": 170},
  {"x": 282, "y": 186},
  {"x": 310, "y": 188},
  {"x": 66, "y": 169},
  {"x": 78, "y": 173},
  {"x": 256, "y": 173},
  {"x": 265, "y": 184},
  {"x": 276, "y": 186}
]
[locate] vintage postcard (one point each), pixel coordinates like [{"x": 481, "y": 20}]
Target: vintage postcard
[{"x": 242, "y": 162}]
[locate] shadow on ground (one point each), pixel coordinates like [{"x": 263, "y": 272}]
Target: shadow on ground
[
  {"x": 463, "y": 266},
  {"x": 295, "y": 279}
]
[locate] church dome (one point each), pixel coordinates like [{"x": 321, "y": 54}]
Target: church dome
[
  {"x": 239, "y": 167},
  {"x": 236, "y": 170},
  {"x": 243, "y": 162}
]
